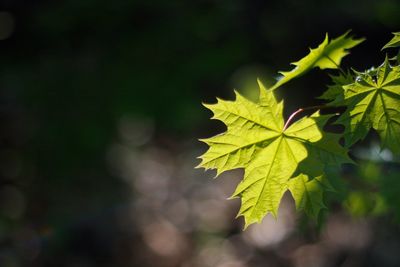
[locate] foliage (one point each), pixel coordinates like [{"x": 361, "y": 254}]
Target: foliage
[
  {"x": 279, "y": 156},
  {"x": 327, "y": 55},
  {"x": 373, "y": 101}
]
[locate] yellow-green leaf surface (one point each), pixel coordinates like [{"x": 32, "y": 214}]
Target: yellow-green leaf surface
[
  {"x": 328, "y": 55},
  {"x": 270, "y": 155},
  {"x": 395, "y": 42},
  {"x": 374, "y": 102}
]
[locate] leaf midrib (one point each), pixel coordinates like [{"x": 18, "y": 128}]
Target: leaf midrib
[{"x": 266, "y": 177}]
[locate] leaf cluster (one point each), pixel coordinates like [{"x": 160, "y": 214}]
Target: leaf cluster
[{"x": 281, "y": 155}]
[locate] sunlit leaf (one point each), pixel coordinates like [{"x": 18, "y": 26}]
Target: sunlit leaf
[{"x": 270, "y": 154}]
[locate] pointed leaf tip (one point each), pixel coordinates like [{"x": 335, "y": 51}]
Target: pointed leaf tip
[
  {"x": 327, "y": 55},
  {"x": 394, "y": 42}
]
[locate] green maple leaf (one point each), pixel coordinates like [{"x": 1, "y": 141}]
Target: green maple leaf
[
  {"x": 373, "y": 101},
  {"x": 270, "y": 153},
  {"x": 395, "y": 42},
  {"x": 327, "y": 55}
]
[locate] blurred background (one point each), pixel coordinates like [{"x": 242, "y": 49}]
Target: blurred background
[{"x": 100, "y": 112}]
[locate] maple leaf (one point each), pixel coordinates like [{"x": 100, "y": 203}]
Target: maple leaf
[
  {"x": 373, "y": 101},
  {"x": 328, "y": 55},
  {"x": 270, "y": 153}
]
